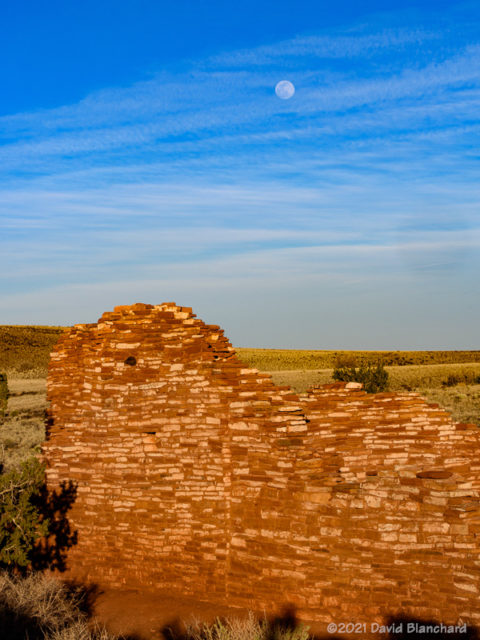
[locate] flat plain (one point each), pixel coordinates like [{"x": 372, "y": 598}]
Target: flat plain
[{"x": 449, "y": 378}]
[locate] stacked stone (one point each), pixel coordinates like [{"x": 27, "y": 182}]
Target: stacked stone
[
  {"x": 147, "y": 407},
  {"x": 199, "y": 476},
  {"x": 381, "y": 514}
]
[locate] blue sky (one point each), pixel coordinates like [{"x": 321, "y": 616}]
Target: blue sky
[{"x": 144, "y": 157}]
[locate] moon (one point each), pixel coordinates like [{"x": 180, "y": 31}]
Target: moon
[{"x": 284, "y": 89}]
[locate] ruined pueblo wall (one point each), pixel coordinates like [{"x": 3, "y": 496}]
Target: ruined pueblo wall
[{"x": 199, "y": 476}]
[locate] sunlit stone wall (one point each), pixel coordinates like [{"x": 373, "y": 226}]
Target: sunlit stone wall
[{"x": 198, "y": 476}]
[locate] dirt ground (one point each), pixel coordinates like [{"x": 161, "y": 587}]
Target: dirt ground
[
  {"x": 142, "y": 616},
  {"x": 148, "y": 616}
]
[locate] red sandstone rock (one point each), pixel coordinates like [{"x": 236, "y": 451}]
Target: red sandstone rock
[{"x": 199, "y": 476}]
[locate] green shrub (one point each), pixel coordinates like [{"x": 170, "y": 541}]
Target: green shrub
[
  {"x": 21, "y": 522},
  {"x": 3, "y": 394},
  {"x": 374, "y": 379}
]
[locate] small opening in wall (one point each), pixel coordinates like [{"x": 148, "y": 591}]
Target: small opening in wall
[{"x": 131, "y": 360}]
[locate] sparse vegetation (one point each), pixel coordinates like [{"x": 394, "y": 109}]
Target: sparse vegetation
[
  {"x": 462, "y": 401},
  {"x": 451, "y": 381},
  {"x": 432, "y": 376},
  {"x": 464, "y": 377}
]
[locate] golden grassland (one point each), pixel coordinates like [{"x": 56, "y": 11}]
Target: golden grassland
[
  {"x": 449, "y": 378},
  {"x": 295, "y": 359},
  {"x": 25, "y": 350},
  {"x": 407, "y": 378},
  {"x": 23, "y": 429}
]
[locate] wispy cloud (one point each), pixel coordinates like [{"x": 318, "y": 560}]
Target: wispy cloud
[
  {"x": 192, "y": 111},
  {"x": 348, "y": 45},
  {"x": 200, "y": 179}
]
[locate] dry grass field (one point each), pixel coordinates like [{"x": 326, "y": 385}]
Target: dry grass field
[
  {"x": 23, "y": 428},
  {"x": 449, "y": 378},
  {"x": 298, "y": 359},
  {"x": 25, "y": 350}
]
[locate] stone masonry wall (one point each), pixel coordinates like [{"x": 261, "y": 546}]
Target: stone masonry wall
[{"x": 199, "y": 476}]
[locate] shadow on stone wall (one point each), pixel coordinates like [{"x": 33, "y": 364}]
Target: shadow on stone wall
[{"x": 50, "y": 553}]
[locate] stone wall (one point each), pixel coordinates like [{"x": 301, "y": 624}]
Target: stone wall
[{"x": 199, "y": 476}]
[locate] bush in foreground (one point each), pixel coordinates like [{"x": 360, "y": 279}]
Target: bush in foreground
[
  {"x": 249, "y": 628},
  {"x": 35, "y": 532},
  {"x": 21, "y": 522},
  {"x": 41, "y": 608},
  {"x": 374, "y": 379}
]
